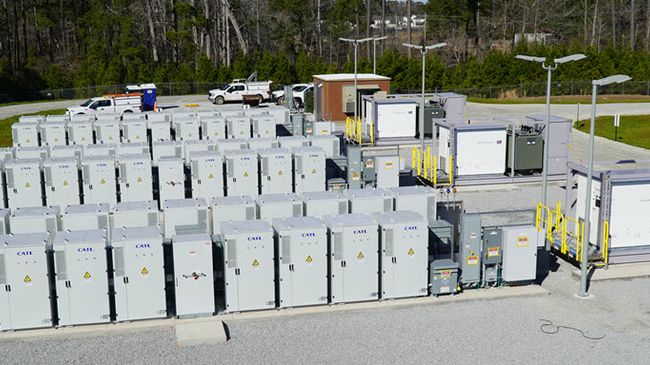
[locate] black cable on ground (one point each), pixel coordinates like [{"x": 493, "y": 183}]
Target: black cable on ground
[{"x": 555, "y": 329}]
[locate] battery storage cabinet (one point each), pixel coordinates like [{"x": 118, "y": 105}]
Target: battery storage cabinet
[
  {"x": 23, "y": 178},
  {"x": 308, "y": 169},
  {"x": 185, "y": 216},
  {"x": 354, "y": 257},
  {"x": 271, "y": 206},
  {"x": 24, "y": 280},
  {"x": 369, "y": 200},
  {"x": 139, "y": 273},
  {"x": 241, "y": 172},
  {"x": 34, "y": 220},
  {"x": 275, "y": 170},
  {"x": 98, "y": 180},
  {"x": 193, "y": 275},
  {"x": 61, "y": 180},
  {"x": 206, "y": 173},
  {"x": 135, "y": 178},
  {"x": 419, "y": 199},
  {"x": 84, "y": 217},
  {"x": 248, "y": 265},
  {"x": 321, "y": 203},
  {"x": 302, "y": 261},
  {"x": 80, "y": 264},
  {"x": 135, "y": 214},
  {"x": 226, "y": 208}
]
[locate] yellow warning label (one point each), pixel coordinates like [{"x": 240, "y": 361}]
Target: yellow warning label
[
  {"x": 246, "y": 174},
  {"x": 472, "y": 260},
  {"x": 65, "y": 183},
  {"x": 56, "y": 139},
  {"x": 110, "y": 138},
  {"x": 411, "y": 252},
  {"x": 144, "y": 271},
  {"x": 280, "y": 173},
  {"x": 388, "y": 166},
  {"x": 360, "y": 256},
  {"x": 139, "y": 179},
  {"x": 309, "y": 259},
  {"x": 356, "y": 176},
  {"x": 313, "y": 171},
  {"x": 255, "y": 263},
  {"x": 87, "y": 275},
  {"x": 28, "y": 185},
  {"x": 522, "y": 241},
  {"x": 102, "y": 181},
  {"x": 210, "y": 176},
  {"x": 27, "y": 279},
  {"x": 137, "y": 137}
]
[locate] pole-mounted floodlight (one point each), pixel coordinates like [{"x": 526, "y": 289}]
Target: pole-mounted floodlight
[
  {"x": 355, "y": 43},
  {"x": 615, "y": 79},
  {"x": 531, "y": 58},
  {"x": 570, "y": 58}
]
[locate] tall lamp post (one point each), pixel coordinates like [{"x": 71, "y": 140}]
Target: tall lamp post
[
  {"x": 374, "y": 53},
  {"x": 616, "y": 79},
  {"x": 355, "y": 43},
  {"x": 423, "y": 50}
]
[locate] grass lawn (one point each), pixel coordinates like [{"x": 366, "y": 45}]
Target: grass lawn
[
  {"x": 634, "y": 129},
  {"x": 5, "y": 125},
  {"x": 566, "y": 99}
]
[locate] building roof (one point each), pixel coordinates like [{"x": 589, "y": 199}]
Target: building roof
[{"x": 350, "y": 77}]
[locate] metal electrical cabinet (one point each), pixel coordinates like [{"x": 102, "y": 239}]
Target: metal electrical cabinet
[
  {"x": 193, "y": 275},
  {"x": 529, "y": 151},
  {"x": 290, "y": 142},
  {"x": 139, "y": 272},
  {"x": 213, "y": 128},
  {"x": 236, "y": 208},
  {"x": 322, "y": 203},
  {"x": 185, "y": 216},
  {"x": 34, "y": 220},
  {"x": 491, "y": 253},
  {"x": 98, "y": 150},
  {"x": 470, "y": 249},
  {"x": 98, "y": 180},
  {"x": 223, "y": 145},
  {"x": 444, "y": 277},
  {"x": 160, "y": 131},
  {"x": 64, "y": 151},
  {"x": 283, "y": 205},
  {"x": 238, "y": 127},
  {"x": 308, "y": 169},
  {"x": 61, "y": 181},
  {"x": 80, "y": 133},
  {"x": 263, "y": 128},
  {"x": 354, "y": 257},
  {"x": 206, "y": 173},
  {"x": 241, "y": 172},
  {"x": 24, "y": 134},
  {"x": 329, "y": 143},
  {"x": 404, "y": 252},
  {"x": 302, "y": 261},
  {"x": 30, "y": 152},
  {"x": 23, "y": 178},
  {"x": 192, "y": 146},
  {"x": 81, "y": 277},
  {"x": 135, "y": 214},
  {"x": 559, "y": 138},
  {"x": 369, "y": 200},
  {"x": 387, "y": 171},
  {"x": 419, "y": 199},
  {"x": 135, "y": 177},
  {"x": 160, "y": 149},
  {"x": 107, "y": 131},
  {"x": 187, "y": 129},
  {"x": 275, "y": 170},
  {"x": 134, "y": 131},
  {"x": 132, "y": 148},
  {"x": 171, "y": 178},
  {"x": 25, "y": 296},
  {"x": 53, "y": 134},
  {"x": 249, "y": 268},
  {"x": 257, "y": 144},
  {"x": 519, "y": 253},
  {"x": 84, "y": 217}
]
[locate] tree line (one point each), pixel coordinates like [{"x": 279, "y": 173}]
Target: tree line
[{"x": 52, "y": 44}]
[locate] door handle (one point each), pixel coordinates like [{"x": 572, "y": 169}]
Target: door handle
[{"x": 8, "y": 287}]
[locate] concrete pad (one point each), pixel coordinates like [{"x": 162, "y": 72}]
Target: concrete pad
[
  {"x": 618, "y": 272},
  {"x": 200, "y": 333}
]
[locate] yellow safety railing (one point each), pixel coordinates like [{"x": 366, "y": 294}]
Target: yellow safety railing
[
  {"x": 354, "y": 131},
  {"x": 425, "y": 164}
]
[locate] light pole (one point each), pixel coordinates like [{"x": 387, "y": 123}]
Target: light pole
[
  {"x": 423, "y": 50},
  {"x": 549, "y": 69},
  {"x": 374, "y": 53},
  {"x": 616, "y": 79},
  {"x": 355, "y": 43}
]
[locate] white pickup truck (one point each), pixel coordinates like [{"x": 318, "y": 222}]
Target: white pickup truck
[
  {"x": 235, "y": 92},
  {"x": 298, "y": 91},
  {"x": 118, "y": 103}
]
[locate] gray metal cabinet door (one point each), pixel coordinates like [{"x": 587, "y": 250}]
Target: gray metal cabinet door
[
  {"x": 410, "y": 263},
  {"x": 88, "y": 284},
  {"x": 256, "y": 281},
  {"x": 245, "y": 171},
  {"x": 193, "y": 274},
  {"x": 286, "y": 285},
  {"x": 231, "y": 274},
  {"x": 519, "y": 253},
  {"x": 309, "y": 271},
  {"x": 337, "y": 274},
  {"x": 29, "y": 292},
  {"x": 361, "y": 268},
  {"x": 388, "y": 263}
]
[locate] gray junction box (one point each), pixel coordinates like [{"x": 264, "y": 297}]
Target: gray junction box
[
  {"x": 248, "y": 265},
  {"x": 470, "y": 249},
  {"x": 404, "y": 252},
  {"x": 185, "y": 216},
  {"x": 23, "y": 183},
  {"x": 61, "y": 181},
  {"x": 193, "y": 275},
  {"x": 236, "y": 208},
  {"x": 302, "y": 261},
  {"x": 206, "y": 173},
  {"x": 419, "y": 199},
  {"x": 275, "y": 170},
  {"x": 25, "y": 293},
  {"x": 171, "y": 178},
  {"x": 241, "y": 172},
  {"x": 81, "y": 281},
  {"x": 519, "y": 253},
  {"x": 53, "y": 134},
  {"x": 369, "y": 200},
  {"x": 34, "y": 220},
  {"x": 85, "y": 217},
  {"x": 308, "y": 169},
  {"x": 354, "y": 257},
  {"x": 321, "y": 203},
  {"x": 135, "y": 180},
  {"x": 284, "y": 205},
  {"x": 139, "y": 272},
  {"x": 135, "y": 214},
  {"x": 98, "y": 180}
]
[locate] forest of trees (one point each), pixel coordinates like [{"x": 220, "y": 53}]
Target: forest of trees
[{"x": 53, "y": 44}]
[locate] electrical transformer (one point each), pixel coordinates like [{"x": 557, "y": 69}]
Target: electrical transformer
[
  {"x": 53, "y": 134},
  {"x": 135, "y": 181},
  {"x": 135, "y": 214},
  {"x": 196, "y": 146},
  {"x": 61, "y": 181},
  {"x": 529, "y": 150},
  {"x": 282, "y": 205},
  {"x": 257, "y": 144},
  {"x": 134, "y": 131},
  {"x": 84, "y": 217},
  {"x": 81, "y": 277},
  {"x": 24, "y": 134},
  {"x": 23, "y": 178},
  {"x": 519, "y": 253},
  {"x": 213, "y": 128},
  {"x": 226, "y": 208},
  {"x": 107, "y": 131},
  {"x": 322, "y": 203},
  {"x": 404, "y": 254},
  {"x": 238, "y": 128},
  {"x": 206, "y": 173},
  {"x": 25, "y": 295},
  {"x": 171, "y": 179},
  {"x": 241, "y": 172},
  {"x": 249, "y": 268},
  {"x": 369, "y": 200},
  {"x": 160, "y": 149},
  {"x": 470, "y": 249},
  {"x": 98, "y": 180},
  {"x": 419, "y": 199},
  {"x": 132, "y": 148},
  {"x": 308, "y": 169},
  {"x": 34, "y": 220},
  {"x": 443, "y": 277},
  {"x": 302, "y": 261},
  {"x": 160, "y": 131},
  {"x": 30, "y": 152},
  {"x": 139, "y": 272},
  {"x": 187, "y": 129},
  {"x": 193, "y": 275},
  {"x": 185, "y": 216},
  {"x": 224, "y": 145},
  {"x": 290, "y": 142},
  {"x": 263, "y": 128},
  {"x": 354, "y": 257},
  {"x": 275, "y": 170},
  {"x": 329, "y": 143},
  {"x": 99, "y": 150},
  {"x": 64, "y": 151},
  {"x": 80, "y": 133}
]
